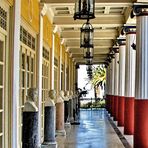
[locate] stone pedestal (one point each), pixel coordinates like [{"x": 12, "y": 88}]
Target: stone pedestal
[
  {"x": 60, "y": 119},
  {"x": 71, "y": 110},
  {"x": 30, "y": 130},
  {"x": 49, "y": 128}
]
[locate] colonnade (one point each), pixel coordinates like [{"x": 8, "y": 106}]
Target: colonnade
[{"x": 127, "y": 91}]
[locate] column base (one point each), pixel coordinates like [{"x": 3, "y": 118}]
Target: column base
[
  {"x": 141, "y": 124},
  {"x": 129, "y": 116},
  {"x": 49, "y": 145},
  {"x": 121, "y": 103},
  {"x": 116, "y": 108},
  {"x": 67, "y": 125},
  {"x": 60, "y": 133}
]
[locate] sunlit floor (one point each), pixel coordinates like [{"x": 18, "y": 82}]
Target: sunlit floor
[{"x": 94, "y": 131}]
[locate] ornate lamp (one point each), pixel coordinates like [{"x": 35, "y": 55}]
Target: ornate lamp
[
  {"x": 88, "y": 53},
  {"x": 87, "y": 35},
  {"x": 89, "y": 61},
  {"x": 84, "y": 9}
]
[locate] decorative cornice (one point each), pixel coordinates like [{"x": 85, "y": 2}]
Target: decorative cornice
[
  {"x": 116, "y": 49},
  {"x": 121, "y": 42},
  {"x": 128, "y": 30},
  {"x": 43, "y": 9},
  {"x": 140, "y": 9}
]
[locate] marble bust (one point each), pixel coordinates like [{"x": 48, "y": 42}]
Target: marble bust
[
  {"x": 49, "y": 101},
  {"x": 60, "y": 97},
  {"x": 66, "y": 96},
  {"x": 71, "y": 95},
  {"x": 30, "y": 105}
]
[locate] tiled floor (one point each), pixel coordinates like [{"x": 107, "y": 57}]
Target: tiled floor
[{"x": 94, "y": 131}]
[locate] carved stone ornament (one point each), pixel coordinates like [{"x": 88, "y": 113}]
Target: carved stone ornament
[
  {"x": 30, "y": 105},
  {"x": 66, "y": 96},
  {"x": 71, "y": 95},
  {"x": 49, "y": 101},
  {"x": 60, "y": 97}
]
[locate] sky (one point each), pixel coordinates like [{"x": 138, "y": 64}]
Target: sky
[{"x": 83, "y": 80}]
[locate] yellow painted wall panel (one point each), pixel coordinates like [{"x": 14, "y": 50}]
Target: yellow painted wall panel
[
  {"x": 63, "y": 54},
  {"x": 30, "y": 12},
  {"x": 57, "y": 45},
  {"x": 11, "y": 2},
  {"x": 47, "y": 31}
]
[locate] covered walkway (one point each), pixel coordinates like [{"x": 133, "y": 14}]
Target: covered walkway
[{"x": 95, "y": 131}]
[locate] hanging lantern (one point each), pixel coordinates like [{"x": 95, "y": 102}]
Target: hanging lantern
[
  {"x": 88, "y": 53},
  {"x": 89, "y": 67},
  {"x": 89, "y": 61},
  {"x": 87, "y": 35},
  {"x": 84, "y": 9}
]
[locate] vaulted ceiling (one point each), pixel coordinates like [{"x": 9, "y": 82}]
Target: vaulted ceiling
[{"x": 111, "y": 15}]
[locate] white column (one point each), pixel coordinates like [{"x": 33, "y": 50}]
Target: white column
[
  {"x": 112, "y": 76},
  {"x": 15, "y": 72},
  {"x": 60, "y": 67},
  {"x": 109, "y": 81},
  {"x": 116, "y": 74},
  {"x": 52, "y": 62},
  {"x": 43, "y": 10},
  {"x": 142, "y": 58},
  {"x": 122, "y": 52},
  {"x": 130, "y": 63}
]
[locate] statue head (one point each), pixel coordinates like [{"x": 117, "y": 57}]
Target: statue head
[
  {"x": 62, "y": 93},
  {"x": 66, "y": 93},
  {"x": 52, "y": 94},
  {"x": 32, "y": 94}
]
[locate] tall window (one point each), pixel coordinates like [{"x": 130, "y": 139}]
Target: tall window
[
  {"x": 45, "y": 82},
  {"x": 27, "y": 71},
  {"x": 4, "y": 20},
  {"x": 2, "y": 81}
]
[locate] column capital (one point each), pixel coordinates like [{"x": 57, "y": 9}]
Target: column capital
[
  {"x": 43, "y": 9},
  {"x": 128, "y": 30},
  {"x": 116, "y": 49},
  {"x": 121, "y": 41},
  {"x": 140, "y": 9}
]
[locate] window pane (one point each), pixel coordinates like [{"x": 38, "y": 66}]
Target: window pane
[
  {"x": 32, "y": 64},
  {"x": 1, "y": 74},
  {"x": 1, "y": 51},
  {"x": 1, "y": 98},
  {"x": 1, "y": 122},
  {"x": 23, "y": 79},
  {"x": 28, "y": 63},
  {"x": 23, "y": 61}
]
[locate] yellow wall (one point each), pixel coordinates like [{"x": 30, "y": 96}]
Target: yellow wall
[
  {"x": 10, "y": 2},
  {"x": 30, "y": 12},
  {"x": 47, "y": 31},
  {"x": 63, "y": 54},
  {"x": 57, "y": 46}
]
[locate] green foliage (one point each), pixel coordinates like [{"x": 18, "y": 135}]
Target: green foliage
[
  {"x": 96, "y": 104},
  {"x": 99, "y": 76}
]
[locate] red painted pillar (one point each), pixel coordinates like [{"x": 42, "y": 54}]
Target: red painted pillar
[
  {"x": 116, "y": 83},
  {"x": 122, "y": 52},
  {"x": 129, "y": 80},
  {"x": 141, "y": 124},
  {"x": 116, "y": 107},
  {"x": 129, "y": 116},
  {"x": 141, "y": 90},
  {"x": 121, "y": 102}
]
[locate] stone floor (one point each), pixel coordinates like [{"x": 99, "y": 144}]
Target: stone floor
[{"x": 94, "y": 131}]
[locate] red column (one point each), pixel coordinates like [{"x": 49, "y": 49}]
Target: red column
[
  {"x": 141, "y": 90},
  {"x": 129, "y": 81},
  {"x": 116, "y": 107},
  {"x": 129, "y": 116},
  {"x": 121, "y": 102}
]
